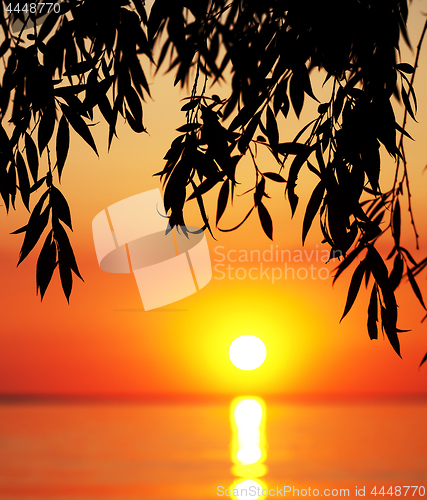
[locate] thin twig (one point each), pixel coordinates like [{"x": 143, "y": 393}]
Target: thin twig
[{"x": 401, "y": 147}]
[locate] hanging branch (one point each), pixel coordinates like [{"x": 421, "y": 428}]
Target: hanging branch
[{"x": 401, "y": 145}]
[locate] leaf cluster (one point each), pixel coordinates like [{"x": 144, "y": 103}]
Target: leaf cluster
[
  {"x": 56, "y": 73},
  {"x": 271, "y": 48}
]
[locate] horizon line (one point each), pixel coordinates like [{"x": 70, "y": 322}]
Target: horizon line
[{"x": 186, "y": 398}]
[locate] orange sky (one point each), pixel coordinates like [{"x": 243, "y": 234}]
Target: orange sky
[{"x": 104, "y": 342}]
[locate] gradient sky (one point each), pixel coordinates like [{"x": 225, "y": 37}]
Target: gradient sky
[{"x": 105, "y": 343}]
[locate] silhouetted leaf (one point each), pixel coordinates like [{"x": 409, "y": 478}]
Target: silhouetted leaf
[
  {"x": 62, "y": 144},
  {"x": 46, "y": 127},
  {"x": 4, "y": 47},
  {"x": 79, "y": 125},
  {"x": 296, "y": 165},
  {"x": 222, "y": 200},
  {"x": 134, "y": 105},
  {"x": 240, "y": 223},
  {"x": 402, "y": 131},
  {"x": 405, "y": 67},
  {"x": 46, "y": 264},
  {"x": 423, "y": 360},
  {"x": 292, "y": 148},
  {"x": 80, "y": 68},
  {"x": 246, "y": 114},
  {"x": 389, "y": 310},
  {"x": 249, "y": 132},
  {"x": 297, "y": 93},
  {"x": 285, "y": 106},
  {"x": 266, "y": 222},
  {"x": 396, "y": 223},
  {"x": 415, "y": 287},
  {"x": 140, "y": 7},
  {"x": 105, "y": 108},
  {"x": 24, "y": 182},
  {"x": 32, "y": 156},
  {"x": 274, "y": 177},
  {"x": 373, "y": 314},
  {"x": 347, "y": 261},
  {"x": 338, "y": 102},
  {"x": 136, "y": 126},
  {"x": 389, "y": 326},
  {"x": 11, "y": 181},
  {"x": 189, "y": 127},
  {"x": 35, "y": 227},
  {"x": 306, "y": 83},
  {"x": 378, "y": 267},
  {"x": 409, "y": 256},
  {"x": 259, "y": 192},
  {"x": 38, "y": 184},
  {"x": 202, "y": 209},
  {"x": 313, "y": 169},
  {"x": 355, "y": 283},
  {"x": 312, "y": 208},
  {"x": 20, "y": 230},
  {"x": 407, "y": 103},
  {"x": 397, "y": 272},
  {"x": 191, "y": 104},
  {"x": 66, "y": 276},
  {"x": 411, "y": 92},
  {"x": 272, "y": 130},
  {"x": 66, "y": 252},
  {"x": 138, "y": 76},
  {"x": 206, "y": 185},
  {"x": 60, "y": 208}
]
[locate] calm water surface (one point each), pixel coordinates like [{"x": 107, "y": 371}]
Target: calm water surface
[{"x": 182, "y": 452}]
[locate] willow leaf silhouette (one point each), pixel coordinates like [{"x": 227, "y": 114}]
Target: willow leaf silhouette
[
  {"x": 79, "y": 125},
  {"x": 24, "y": 182},
  {"x": 60, "y": 208},
  {"x": 373, "y": 314},
  {"x": 222, "y": 200},
  {"x": 32, "y": 157},
  {"x": 274, "y": 177},
  {"x": 415, "y": 287},
  {"x": 34, "y": 229},
  {"x": 266, "y": 222},
  {"x": 312, "y": 209},
  {"x": 62, "y": 144},
  {"x": 355, "y": 283},
  {"x": 46, "y": 264}
]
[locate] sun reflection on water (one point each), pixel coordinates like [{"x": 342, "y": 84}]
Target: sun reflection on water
[{"x": 248, "y": 446}]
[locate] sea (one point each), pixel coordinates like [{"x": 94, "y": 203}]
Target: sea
[{"x": 119, "y": 450}]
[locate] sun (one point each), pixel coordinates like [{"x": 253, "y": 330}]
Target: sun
[{"x": 247, "y": 352}]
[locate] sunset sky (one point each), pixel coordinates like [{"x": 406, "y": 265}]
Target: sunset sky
[{"x": 104, "y": 343}]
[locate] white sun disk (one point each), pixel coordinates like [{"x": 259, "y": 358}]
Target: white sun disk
[{"x": 247, "y": 352}]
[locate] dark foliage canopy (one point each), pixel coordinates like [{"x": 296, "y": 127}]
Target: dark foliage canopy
[{"x": 59, "y": 67}]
